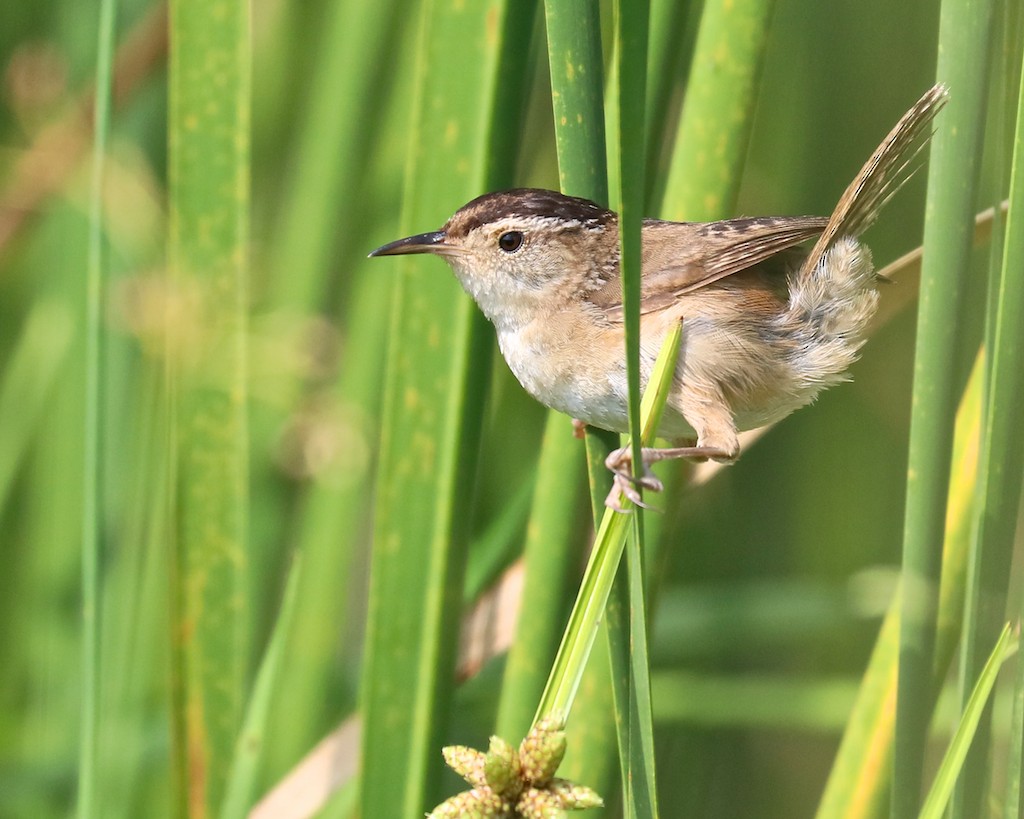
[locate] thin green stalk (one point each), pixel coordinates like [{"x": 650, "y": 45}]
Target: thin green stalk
[
  {"x": 1013, "y": 807},
  {"x": 92, "y": 477},
  {"x": 938, "y": 795},
  {"x": 628, "y": 644},
  {"x": 588, "y": 611},
  {"x": 627, "y": 631},
  {"x": 964, "y": 35},
  {"x": 999, "y": 487},
  {"x": 209, "y": 124},
  {"x": 631, "y": 51},
  {"x": 578, "y": 638}
]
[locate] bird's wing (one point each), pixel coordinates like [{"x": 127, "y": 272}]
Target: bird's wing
[{"x": 680, "y": 257}]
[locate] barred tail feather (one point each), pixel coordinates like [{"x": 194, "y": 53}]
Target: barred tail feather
[{"x": 882, "y": 176}]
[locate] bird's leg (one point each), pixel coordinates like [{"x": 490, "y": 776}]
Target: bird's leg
[
  {"x": 709, "y": 415},
  {"x": 620, "y": 462},
  {"x": 579, "y": 428}
]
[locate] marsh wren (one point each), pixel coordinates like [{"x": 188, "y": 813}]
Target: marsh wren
[{"x": 766, "y": 326}]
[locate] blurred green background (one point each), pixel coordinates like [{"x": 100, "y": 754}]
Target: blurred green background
[{"x": 778, "y": 570}]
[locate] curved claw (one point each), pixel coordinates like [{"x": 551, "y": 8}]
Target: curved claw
[
  {"x": 626, "y": 483},
  {"x": 624, "y": 487}
]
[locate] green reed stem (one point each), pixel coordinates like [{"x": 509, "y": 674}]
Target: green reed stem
[
  {"x": 963, "y": 65},
  {"x": 92, "y": 477}
]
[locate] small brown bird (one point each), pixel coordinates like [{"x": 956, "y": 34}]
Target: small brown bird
[{"x": 766, "y": 326}]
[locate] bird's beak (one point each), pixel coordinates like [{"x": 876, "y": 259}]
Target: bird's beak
[{"x": 421, "y": 243}]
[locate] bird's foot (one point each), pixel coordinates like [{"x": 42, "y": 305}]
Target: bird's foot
[{"x": 626, "y": 484}]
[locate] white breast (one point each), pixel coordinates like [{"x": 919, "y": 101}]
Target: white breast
[{"x": 554, "y": 368}]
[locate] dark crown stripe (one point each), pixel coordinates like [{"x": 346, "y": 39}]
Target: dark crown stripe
[{"x": 525, "y": 202}]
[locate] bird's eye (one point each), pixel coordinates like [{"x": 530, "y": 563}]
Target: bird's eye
[{"x": 511, "y": 241}]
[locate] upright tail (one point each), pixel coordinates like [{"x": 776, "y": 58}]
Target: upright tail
[
  {"x": 832, "y": 297},
  {"x": 882, "y": 175}
]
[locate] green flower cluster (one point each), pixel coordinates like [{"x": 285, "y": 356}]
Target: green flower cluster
[{"x": 508, "y": 784}]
